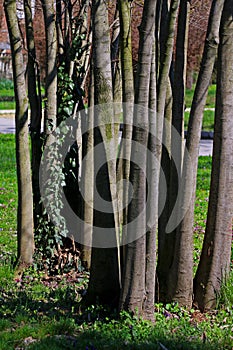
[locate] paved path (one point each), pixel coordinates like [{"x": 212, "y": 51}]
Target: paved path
[{"x": 7, "y": 126}]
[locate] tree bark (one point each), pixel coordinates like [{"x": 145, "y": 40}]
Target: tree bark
[
  {"x": 167, "y": 35},
  {"x": 133, "y": 292},
  {"x": 153, "y": 172},
  {"x": 104, "y": 281},
  {"x": 25, "y": 202},
  {"x": 183, "y": 256},
  {"x": 123, "y": 168},
  {"x": 50, "y": 114},
  {"x": 87, "y": 178},
  {"x": 35, "y": 106},
  {"x": 214, "y": 264},
  {"x": 180, "y": 246}
]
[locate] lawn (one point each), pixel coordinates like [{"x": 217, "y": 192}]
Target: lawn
[
  {"x": 7, "y": 94},
  {"x": 41, "y": 312},
  {"x": 208, "y": 118},
  {"x": 6, "y": 89},
  {"x": 210, "y": 102}
]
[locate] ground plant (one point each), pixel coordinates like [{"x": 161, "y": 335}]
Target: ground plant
[{"x": 38, "y": 311}]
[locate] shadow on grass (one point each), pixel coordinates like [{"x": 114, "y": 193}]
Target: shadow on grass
[
  {"x": 95, "y": 340},
  {"x": 55, "y": 321}
]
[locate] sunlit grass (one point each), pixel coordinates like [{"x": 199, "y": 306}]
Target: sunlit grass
[
  {"x": 210, "y": 102},
  {"x": 37, "y": 313}
]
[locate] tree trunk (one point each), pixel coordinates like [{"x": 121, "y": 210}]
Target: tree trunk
[
  {"x": 25, "y": 202},
  {"x": 128, "y": 100},
  {"x": 214, "y": 264},
  {"x": 188, "y": 183},
  {"x": 164, "y": 130},
  {"x": 35, "y": 106},
  {"x": 104, "y": 281},
  {"x": 153, "y": 172},
  {"x": 87, "y": 178},
  {"x": 50, "y": 114},
  {"x": 180, "y": 261},
  {"x": 133, "y": 292}
]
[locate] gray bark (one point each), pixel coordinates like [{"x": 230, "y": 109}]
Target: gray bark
[
  {"x": 214, "y": 264},
  {"x": 133, "y": 292},
  {"x": 25, "y": 232},
  {"x": 50, "y": 114}
]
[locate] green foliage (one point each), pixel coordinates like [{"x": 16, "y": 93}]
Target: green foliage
[
  {"x": 51, "y": 253},
  {"x": 65, "y": 94},
  {"x": 6, "y": 84},
  {"x": 47, "y": 240}
]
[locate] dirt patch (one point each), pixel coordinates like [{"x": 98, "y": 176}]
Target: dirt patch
[{"x": 7, "y": 115}]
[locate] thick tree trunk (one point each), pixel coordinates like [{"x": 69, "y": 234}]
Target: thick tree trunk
[
  {"x": 179, "y": 277},
  {"x": 164, "y": 100},
  {"x": 25, "y": 202},
  {"x": 105, "y": 271},
  {"x": 215, "y": 257},
  {"x": 133, "y": 292}
]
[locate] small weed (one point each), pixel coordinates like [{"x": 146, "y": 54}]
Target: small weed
[{"x": 225, "y": 297}]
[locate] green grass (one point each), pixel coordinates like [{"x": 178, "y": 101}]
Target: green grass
[
  {"x": 7, "y": 105},
  {"x": 210, "y": 102},
  {"x": 38, "y": 313},
  {"x": 8, "y": 196},
  {"x": 7, "y": 90},
  {"x": 208, "y": 118},
  {"x": 201, "y": 205}
]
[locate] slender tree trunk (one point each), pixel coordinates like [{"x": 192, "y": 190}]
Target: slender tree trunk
[
  {"x": 188, "y": 183},
  {"x": 25, "y": 201},
  {"x": 214, "y": 264},
  {"x": 87, "y": 178},
  {"x": 123, "y": 169},
  {"x": 153, "y": 172},
  {"x": 165, "y": 66},
  {"x": 60, "y": 40},
  {"x": 133, "y": 292},
  {"x": 35, "y": 106},
  {"x": 50, "y": 114}
]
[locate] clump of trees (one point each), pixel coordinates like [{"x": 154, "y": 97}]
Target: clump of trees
[{"x": 134, "y": 264}]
